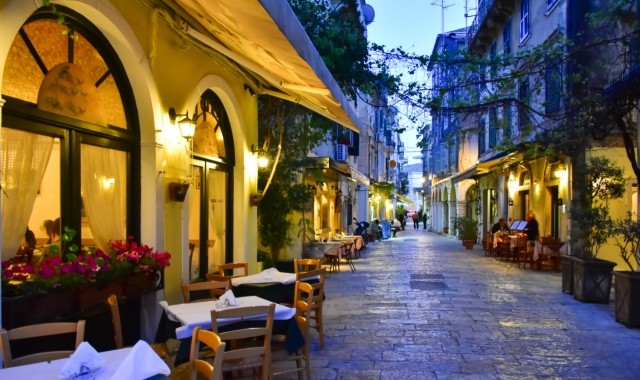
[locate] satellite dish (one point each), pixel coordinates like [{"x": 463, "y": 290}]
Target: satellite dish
[
  {"x": 392, "y": 163},
  {"x": 368, "y": 13}
]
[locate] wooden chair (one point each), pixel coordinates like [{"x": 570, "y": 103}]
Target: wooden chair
[
  {"x": 347, "y": 249},
  {"x": 229, "y": 269},
  {"x": 192, "y": 247},
  {"x": 303, "y": 300},
  {"x": 303, "y": 265},
  {"x": 215, "y": 288},
  {"x": 217, "y": 277},
  {"x": 167, "y": 351},
  {"x": 488, "y": 244},
  {"x": 196, "y": 367},
  {"x": 318, "y": 298},
  {"x": 249, "y": 348},
  {"x": 39, "y": 331},
  {"x": 502, "y": 244}
]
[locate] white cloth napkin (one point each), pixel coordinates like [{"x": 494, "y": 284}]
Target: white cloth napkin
[
  {"x": 228, "y": 299},
  {"x": 141, "y": 363},
  {"x": 84, "y": 358}
]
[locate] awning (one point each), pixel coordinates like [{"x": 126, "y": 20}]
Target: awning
[
  {"x": 485, "y": 167},
  {"x": 266, "y": 38},
  {"x": 359, "y": 177},
  {"x": 403, "y": 199},
  {"x": 328, "y": 163}
]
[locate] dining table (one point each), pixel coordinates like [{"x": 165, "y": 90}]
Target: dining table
[
  {"x": 548, "y": 250},
  {"x": 179, "y": 320},
  {"x": 358, "y": 243},
  {"x": 50, "y": 369}
]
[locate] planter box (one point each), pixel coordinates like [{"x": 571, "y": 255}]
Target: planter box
[
  {"x": 627, "y": 298},
  {"x": 592, "y": 280},
  {"x": 566, "y": 265},
  {"x": 64, "y": 304}
]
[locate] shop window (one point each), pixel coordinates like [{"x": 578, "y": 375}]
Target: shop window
[{"x": 64, "y": 84}]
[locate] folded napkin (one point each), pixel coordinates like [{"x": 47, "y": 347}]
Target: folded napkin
[
  {"x": 84, "y": 359},
  {"x": 141, "y": 363},
  {"x": 228, "y": 299}
]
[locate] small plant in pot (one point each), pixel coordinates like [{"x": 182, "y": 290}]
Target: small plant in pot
[
  {"x": 467, "y": 229},
  {"x": 627, "y": 283}
]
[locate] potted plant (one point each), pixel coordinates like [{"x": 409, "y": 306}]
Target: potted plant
[
  {"x": 627, "y": 283},
  {"x": 591, "y": 277},
  {"x": 467, "y": 229}
]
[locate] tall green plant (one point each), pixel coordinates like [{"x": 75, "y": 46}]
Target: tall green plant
[{"x": 605, "y": 182}]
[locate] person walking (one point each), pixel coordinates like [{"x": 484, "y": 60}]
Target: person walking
[
  {"x": 416, "y": 220},
  {"x": 424, "y": 220}
]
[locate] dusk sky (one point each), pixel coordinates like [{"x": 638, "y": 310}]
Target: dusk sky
[{"x": 414, "y": 25}]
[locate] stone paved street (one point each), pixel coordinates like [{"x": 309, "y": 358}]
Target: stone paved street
[{"x": 420, "y": 306}]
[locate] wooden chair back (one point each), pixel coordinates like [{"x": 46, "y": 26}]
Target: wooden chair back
[
  {"x": 37, "y": 331},
  {"x": 218, "y": 277},
  {"x": 317, "y": 299},
  {"x": 165, "y": 350},
  {"x": 230, "y": 269},
  {"x": 304, "y": 265},
  {"x": 303, "y": 299},
  {"x": 202, "y": 367},
  {"x": 112, "y": 301},
  {"x": 215, "y": 288},
  {"x": 243, "y": 356}
]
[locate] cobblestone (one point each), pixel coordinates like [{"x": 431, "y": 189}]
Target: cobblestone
[{"x": 420, "y": 306}]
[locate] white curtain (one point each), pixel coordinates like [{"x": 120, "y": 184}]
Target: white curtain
[
  {"x": 103, "y": 183},
  {"x": 25, "y": 157},
  {"x": 217, "y": 211}
]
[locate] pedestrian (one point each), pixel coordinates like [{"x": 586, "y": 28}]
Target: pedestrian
[
  {"x": 424, "y": 220},
  {"x": 402, "y": 220},
  {"x": 416, "y": 220}
]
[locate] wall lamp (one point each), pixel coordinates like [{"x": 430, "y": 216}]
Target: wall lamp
[
  {"x": 186, "y": 124},
  {"x": 263, "y": 160}
]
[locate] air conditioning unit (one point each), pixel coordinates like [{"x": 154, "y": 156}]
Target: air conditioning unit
[{"x": 342, "y": 152}]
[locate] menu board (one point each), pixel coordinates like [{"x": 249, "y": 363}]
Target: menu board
[{"x": 518, "y": 225}]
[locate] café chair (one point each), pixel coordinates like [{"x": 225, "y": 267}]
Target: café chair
[
  {"x": 197, "y": 367},
  {"x": 215, "y": 288},
  {"x": 217, "y": 277},
  {"x": 303, "y": 299},
  {"x": 303, "y": 265},
  {"x": 42, "y": 330},
  {"x": 167, "y": 351},
  {"x": 318, "y": 297},
  {"x": 248, "y": 347},
  {"x": 347, "y": 255},
  {"x": 229, "y": 269}
]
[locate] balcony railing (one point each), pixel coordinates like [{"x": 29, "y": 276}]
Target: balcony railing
[{"x": 483, "y": 9}]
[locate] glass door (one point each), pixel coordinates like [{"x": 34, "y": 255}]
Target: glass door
[{"x": 207, "y": 219}]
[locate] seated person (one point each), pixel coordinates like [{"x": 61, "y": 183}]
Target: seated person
[
  {"x": 376, "y": 228},
  {"x": 27, "y": 246},
  {"x": 501, "y": 226}
]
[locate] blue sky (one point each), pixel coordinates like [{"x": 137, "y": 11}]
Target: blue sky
[{"x": 414, "y": 25}]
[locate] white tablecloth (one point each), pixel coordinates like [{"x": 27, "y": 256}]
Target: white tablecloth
[
  {"x": 50, "y": 370},
  {"x": 195, "y": 314},
  {"x": 267, "y": 275}
]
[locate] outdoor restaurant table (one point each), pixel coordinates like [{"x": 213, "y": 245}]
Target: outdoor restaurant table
[
  {"x": 50, "y": 370},
  {"x": 552, "y": 250},
  {"x": 178, "y": 321},
  {"x": 270, "y": 284}
]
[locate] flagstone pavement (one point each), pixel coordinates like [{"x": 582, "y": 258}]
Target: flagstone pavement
[{"x": 420, "y": 306}]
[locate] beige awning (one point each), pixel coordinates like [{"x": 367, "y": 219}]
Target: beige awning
[{"x": 266, "y": 38}]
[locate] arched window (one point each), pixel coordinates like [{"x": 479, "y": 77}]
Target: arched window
[
  {"x": 211, "y": 212},
  {"x": 73, "y": 156}
]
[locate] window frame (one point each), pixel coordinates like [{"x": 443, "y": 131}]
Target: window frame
[{"x": 524, "y": 20}]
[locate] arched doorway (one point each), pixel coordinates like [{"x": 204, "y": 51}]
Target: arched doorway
[
  {"x": 71, "y": 150},
  {"x": 210, "y": 203}
]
